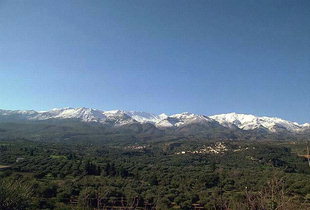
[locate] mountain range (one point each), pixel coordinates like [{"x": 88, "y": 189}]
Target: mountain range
[{"x": 119, "y": 118}]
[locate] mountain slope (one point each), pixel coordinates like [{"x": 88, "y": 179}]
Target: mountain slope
[
  {"x": 251, "y": 122},
  {"x": 84, "y": 114},
  {"x": 182, "y": 119},
  {"x": 144, "y": 117},
  {"x": 142, "y": 121}
]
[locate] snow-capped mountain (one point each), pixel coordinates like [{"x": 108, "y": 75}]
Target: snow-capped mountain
[
  {"x": 306, "y": 125},
  {"x": 144, "y": 117},
  {"x": 162, "y": 121},
  {"x": 115, "y": 117},
  {"x": 84, "y": 114},
  {"x": 182, "y": 119},
  {"x": 118, "y": 117},
  {"x": 17, "y": 114},
  {"x": 251, "y": 122}
]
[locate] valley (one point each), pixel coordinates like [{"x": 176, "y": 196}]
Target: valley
[
  {"x": 87, "y": 159},
  {"x": 175, "y": 174}
]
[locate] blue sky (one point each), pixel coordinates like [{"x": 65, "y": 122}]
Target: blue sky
[{"x": 171, "y": 56}]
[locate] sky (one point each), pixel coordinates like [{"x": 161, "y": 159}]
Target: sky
[{"x": 159, "y": 56}]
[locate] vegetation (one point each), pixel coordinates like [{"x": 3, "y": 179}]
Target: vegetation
[{"x": 184, "y": 174}]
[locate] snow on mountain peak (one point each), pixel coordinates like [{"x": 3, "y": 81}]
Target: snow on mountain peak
[
  {"x": 162, "y": 116},
  {"x": 181, "y": 119},
  {"x": 119, "y": 117},
  {"x": 85, "y": 114},
  {"x": 113, "y": 113},
  {"x": 251, "y": 122},
  {"x": 145, "y": 117},
  {"x": 306, "y": 125}
]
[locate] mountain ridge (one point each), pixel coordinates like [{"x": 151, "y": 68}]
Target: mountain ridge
[{"x": 120, "y": 117}]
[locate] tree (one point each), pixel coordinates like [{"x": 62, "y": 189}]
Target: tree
[{"x": 14, "y": 195}]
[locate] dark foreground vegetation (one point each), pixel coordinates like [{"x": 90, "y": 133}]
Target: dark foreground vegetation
[{"x": 164, "y": 175}]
